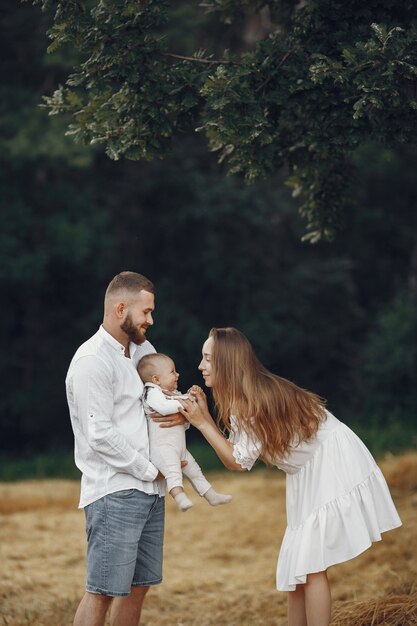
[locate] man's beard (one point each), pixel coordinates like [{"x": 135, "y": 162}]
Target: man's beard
[{"x": 133, "y": 333}]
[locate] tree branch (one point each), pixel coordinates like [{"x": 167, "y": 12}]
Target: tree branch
[
  {"x": 198, "y": 60},
  {"x": 281, "y": 62}
]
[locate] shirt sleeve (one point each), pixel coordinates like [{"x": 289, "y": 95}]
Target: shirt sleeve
[
  {"x": 246, "y": 448},
  {"x": 93, "y": 398},
  {"x": 159, "y": 403}
]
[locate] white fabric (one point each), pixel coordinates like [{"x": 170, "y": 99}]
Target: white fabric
[
  {"x": 156, "y": 400},
  {"x": 104, "y": 393},
  {"x": 338, "y": 502},
  {"x": 168, "y": 445}
]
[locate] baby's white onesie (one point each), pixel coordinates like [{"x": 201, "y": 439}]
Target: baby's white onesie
[{"x": 167, "y": 445}]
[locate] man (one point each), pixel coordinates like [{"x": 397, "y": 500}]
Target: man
[{"x": 121, "y": 490}]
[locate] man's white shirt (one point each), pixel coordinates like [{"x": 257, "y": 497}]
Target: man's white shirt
[{"x": 104, "y": 393}]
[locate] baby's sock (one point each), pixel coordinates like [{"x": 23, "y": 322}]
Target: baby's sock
[
  {"x": 183, "y": 503},
  {"x": 215, "y": 498}
]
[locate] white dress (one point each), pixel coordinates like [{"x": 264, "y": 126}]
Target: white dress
[{"x": 337, "y": 499}]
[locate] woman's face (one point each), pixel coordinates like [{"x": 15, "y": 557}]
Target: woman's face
[{"x": 205, "y": 365}]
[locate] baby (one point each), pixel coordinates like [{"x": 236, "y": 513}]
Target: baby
[{"x": 167, "y": 445}]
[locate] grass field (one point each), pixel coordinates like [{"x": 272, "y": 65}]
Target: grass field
[{"x": 219, "y": 562}]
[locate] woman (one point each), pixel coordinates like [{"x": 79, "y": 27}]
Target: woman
[{"x": 338, "y": 502}]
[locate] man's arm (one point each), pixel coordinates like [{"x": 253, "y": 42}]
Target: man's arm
[{"x": 93, "y": 396}]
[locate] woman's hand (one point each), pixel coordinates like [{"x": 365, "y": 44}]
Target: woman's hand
[
  {"x": 196, "y": 412},
  {"x": 196, "y": 391},
  {"x": 200, "y": 397}
]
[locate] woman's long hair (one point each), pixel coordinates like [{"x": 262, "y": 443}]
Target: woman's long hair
[{"x": 273, "y": 409}]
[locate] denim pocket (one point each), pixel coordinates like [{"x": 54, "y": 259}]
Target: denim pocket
[{"x": 123, "y": 493}]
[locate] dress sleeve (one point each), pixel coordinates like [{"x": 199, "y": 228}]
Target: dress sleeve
[{"x": 246, "y": 448}]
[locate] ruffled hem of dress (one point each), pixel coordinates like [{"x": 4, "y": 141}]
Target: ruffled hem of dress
[{"x": 337, "y": 532}]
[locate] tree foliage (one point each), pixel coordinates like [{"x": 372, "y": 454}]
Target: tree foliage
[
  {"x": 338, "y": 319},
  {"x": 328, "y": 77}
]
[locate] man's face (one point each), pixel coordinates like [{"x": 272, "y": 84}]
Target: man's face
[{"x": 139, "y": 317}]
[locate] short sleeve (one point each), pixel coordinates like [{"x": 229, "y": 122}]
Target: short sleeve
[{"x": 246, "y": 448}]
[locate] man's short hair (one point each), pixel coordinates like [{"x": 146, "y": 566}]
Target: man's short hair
[
  {"x": 130, "y": 282},
  {"x": 148, "y": 364}
]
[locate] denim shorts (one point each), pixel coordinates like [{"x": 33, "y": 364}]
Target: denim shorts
[{"x": 125, "y": 532}]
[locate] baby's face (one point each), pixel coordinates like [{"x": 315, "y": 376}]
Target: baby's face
[{"x": 167, "y": 375}]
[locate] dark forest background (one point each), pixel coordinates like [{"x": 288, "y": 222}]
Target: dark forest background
[{"x": 337, "y": 317}]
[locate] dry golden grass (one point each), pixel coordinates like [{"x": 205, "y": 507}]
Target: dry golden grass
[{"x": 219, "y": 562}]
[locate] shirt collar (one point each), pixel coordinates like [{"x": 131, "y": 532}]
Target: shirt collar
[
  {"x": 132, "y": 348},
  {"x": 112, "y": 341}
]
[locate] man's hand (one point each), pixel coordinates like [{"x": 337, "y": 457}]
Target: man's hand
[
  {"x": 168, "y": 421},
  {"x": 160, "y": 476}
]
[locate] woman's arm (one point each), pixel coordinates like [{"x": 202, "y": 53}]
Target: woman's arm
[{"x": 198, "y": 415}]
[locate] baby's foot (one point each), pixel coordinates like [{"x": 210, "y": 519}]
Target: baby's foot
[
  {"x": 183, "y": 502},
  {"x": 215, "y": 498}
]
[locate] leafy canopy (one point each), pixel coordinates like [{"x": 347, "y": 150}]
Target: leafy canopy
[{"x": 328, "y": 77}]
